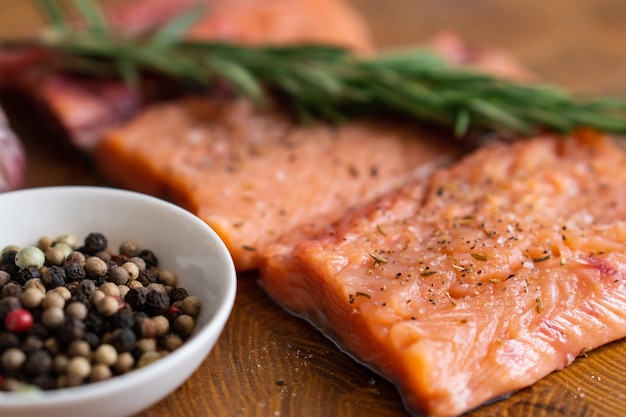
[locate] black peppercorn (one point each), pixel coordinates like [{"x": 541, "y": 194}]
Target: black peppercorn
[
  {"x": 53, "y": 276},
  {"x": 7, "y": 262},
  {"x": 95, "y": 242},
  {"x": 123, "y": 339},
  {"x": 7, "y": 304},
  {"x": 147, "y": 277},
  {"x": 149, "y": 258},
  {"x": 74, "y": 271},
  {"x": 178, "y": 294},
  {"x": 38, "y": 330},
  {"x": 8, "y": 340},
  {"x": 44, "y": 381},
  {"x": 26, "y": 273},
  {"x": 70, "y": 329},
  {"x": 95, "y": 322},
  {"x": 157, "y": 302},
  {"x": 123, "y": 318},
  {"x": 37, "y": 362},
  {"x": 31, "y": 343},
  {"x": 136, "y": 298},
  {"x": 92, "y": 339}
]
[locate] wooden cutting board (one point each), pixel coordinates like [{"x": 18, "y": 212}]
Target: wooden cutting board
[{"x": 268, "y": 363}]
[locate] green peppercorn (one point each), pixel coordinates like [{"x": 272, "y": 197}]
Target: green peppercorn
[
  {"x": 69, "y": 240},
  {"x": 30, "y": 256}
]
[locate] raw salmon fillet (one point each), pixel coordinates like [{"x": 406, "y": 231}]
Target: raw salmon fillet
[
  {"x": 82, "y": 108},
  {"x": 254, "y": 174},
  {"x": 476, "y": 283}
]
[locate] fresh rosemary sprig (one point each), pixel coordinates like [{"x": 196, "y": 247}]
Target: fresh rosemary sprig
[{"x": 326, "y": 82}]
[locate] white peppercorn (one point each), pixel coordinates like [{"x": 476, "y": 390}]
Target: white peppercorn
[
  {"x": 55, "y": 255},
  {"x": 118, "y": 275},
  {"x": 52, "y": 317},
  {"x": 172, "y": 341},
  {"x": 96, "y": 296},
  {"x": 141, "y": 264},
  {"x": 100, "y": 372},
  {"x": 134, "y": 284},
  {"x": 35, "y": 283},
  {"x": 106, "y": 354},
  {"x": 162, "y": 325},
  {"x": 110, "y": 288},
  {"x": 79, "y": 366},
  {"x": 184, "y": 325},
  {"x": 45, "y": 242},
  {"x": 95, "y": 267},
  {"x": 124, "y": 363},
  {"x": 108, "y": 306},
  {"x": 63, "y": 292},
  {"x": 167, "y": 277},
  {"x": 191, "y": 305},
  {"x": 156, "y": 287},
  {"x": 4, "y": 278},
  {"x": 132, "y": 269},
  {"x": 31, "y": 298},
  {"x": 147, "y": 344},
  {"x": 77, "y": 309},
  {"x": 53, "y": 299},
  {"x": 129, "y": 248},
  {"x": 79, "y": 347},
  {"x": 51, "y": 344},
  {"x": 13, "y": 359},
  {"x": 123, "y": 290},
  {"x": 59, "y": 363}
]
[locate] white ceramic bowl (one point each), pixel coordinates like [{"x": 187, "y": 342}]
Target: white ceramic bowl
[{"x": 182, "y": 242}]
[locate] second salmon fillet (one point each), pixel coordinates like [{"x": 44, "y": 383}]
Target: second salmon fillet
[
  {"x": 479, "y": 282},
  {"x": 255, "y": 174}
]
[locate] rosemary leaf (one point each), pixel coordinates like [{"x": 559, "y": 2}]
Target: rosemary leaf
[
  {"x": 52, "y": 12},
  {"x": 320, "y": 81},
  {"x": 172, "y": 32},
  {"x": 93, "y": 16}
]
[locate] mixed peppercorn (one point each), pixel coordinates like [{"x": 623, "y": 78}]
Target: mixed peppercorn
[{"x": 73, "y": 314}]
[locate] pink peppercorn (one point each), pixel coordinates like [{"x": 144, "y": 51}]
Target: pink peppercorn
[
  {"x": 172, "y": 313},
  {"x": 18, "y": 320}
]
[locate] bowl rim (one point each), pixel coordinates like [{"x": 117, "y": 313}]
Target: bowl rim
[{"x": 195, "y": 344}]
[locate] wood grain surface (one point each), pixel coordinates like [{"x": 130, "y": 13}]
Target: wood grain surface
[{"x": 268, "y": 363}]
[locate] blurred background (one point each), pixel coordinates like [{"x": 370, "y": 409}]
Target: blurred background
[{"x": 578, "y": 44}]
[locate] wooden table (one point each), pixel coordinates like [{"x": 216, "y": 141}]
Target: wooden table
[{"x": 268, "y": 363}]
